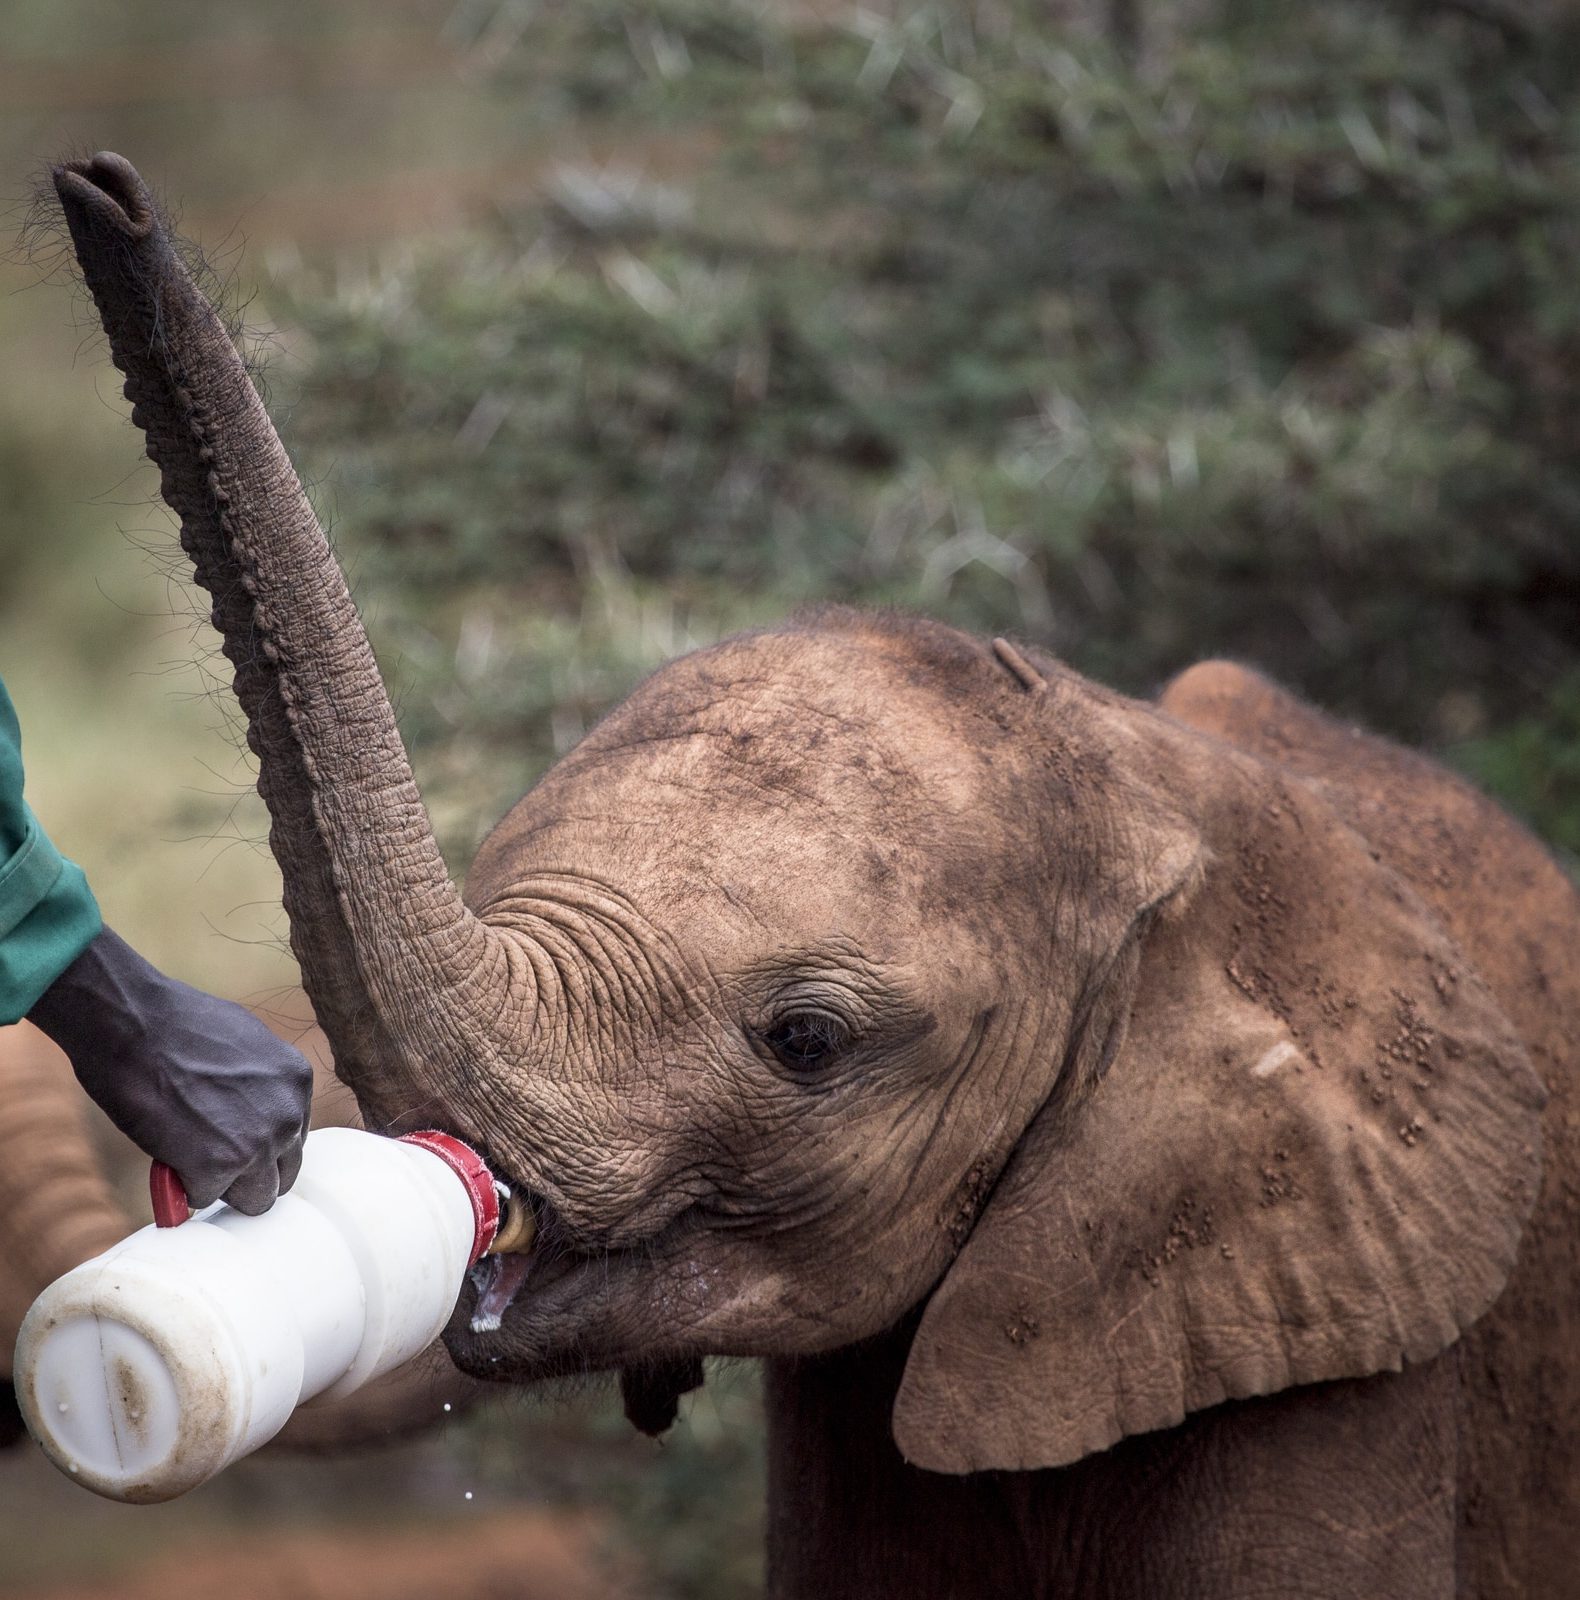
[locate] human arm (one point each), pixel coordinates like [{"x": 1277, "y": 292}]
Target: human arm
[{"x": 197, "y": 1082}]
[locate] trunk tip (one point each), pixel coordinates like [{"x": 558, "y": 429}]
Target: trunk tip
[{"x": 105, "y": 193}]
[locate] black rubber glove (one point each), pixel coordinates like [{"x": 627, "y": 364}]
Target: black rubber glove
[{"x": 197, "y": 1082}]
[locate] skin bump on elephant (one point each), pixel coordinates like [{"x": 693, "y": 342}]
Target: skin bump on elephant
[{"x": 1099, "y": 1114}]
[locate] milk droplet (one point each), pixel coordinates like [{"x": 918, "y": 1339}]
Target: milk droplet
[
  {"x": 63, "y": 1408},
  {"x": 72, "y": 1467},
  {"x": 468, "y": 1492},
  {"x": 447, "y": 1405}
]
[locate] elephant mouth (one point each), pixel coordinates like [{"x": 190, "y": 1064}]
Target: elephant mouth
[
  {"x": 497, "y": 1280},
  {"x": 520, "y": 1318},
  {"x": 565, "y": 1307},
  {"x": 506, "y": 1289},
  {"x": 500, "y": 1275},
  {"x": 575, "y": 1300}
]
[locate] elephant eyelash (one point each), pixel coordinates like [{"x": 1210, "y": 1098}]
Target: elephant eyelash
[{"x": 806, "y": 1041}]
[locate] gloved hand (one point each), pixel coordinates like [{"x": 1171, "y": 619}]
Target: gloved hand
[{"x": 197, "y": 1082}]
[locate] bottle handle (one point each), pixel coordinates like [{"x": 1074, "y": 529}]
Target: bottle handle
[{"x": 171, "y": 1206}]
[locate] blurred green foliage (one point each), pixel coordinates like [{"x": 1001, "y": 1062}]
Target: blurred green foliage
[
  {"x": 686, "y": 1509},
  {"x": 1534, "y": 762},
  {"x": 1258, "y": 340}
]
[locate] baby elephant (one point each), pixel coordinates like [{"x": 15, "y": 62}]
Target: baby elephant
[{"x": 1119, "y": 1126}]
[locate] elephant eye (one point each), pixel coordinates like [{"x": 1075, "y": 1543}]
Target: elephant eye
[{"x": 806, "y": 1039}]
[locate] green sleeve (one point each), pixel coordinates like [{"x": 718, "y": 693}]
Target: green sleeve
[{"x": 48, "y": 915}]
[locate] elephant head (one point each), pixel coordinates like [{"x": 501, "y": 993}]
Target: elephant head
[{"x": 858, "y": 965}]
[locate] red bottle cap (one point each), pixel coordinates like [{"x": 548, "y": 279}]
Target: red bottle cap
[{"x": 473, "y": 1172}]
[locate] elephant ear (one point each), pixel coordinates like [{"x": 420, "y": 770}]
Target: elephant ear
[{"x": 1310, "y": 1157}]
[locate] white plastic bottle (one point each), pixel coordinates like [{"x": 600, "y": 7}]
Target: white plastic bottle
[{"x": 147, "y": 1370}]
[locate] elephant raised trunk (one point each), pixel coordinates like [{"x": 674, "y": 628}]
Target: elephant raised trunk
[{"x": 403, "y": 977}]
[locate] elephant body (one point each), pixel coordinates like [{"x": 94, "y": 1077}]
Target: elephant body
[
  {"x": 1459, "y": 1477},
  {"x": 1344, "y": 1491},
  {"x": 1138, "y": 1137}
]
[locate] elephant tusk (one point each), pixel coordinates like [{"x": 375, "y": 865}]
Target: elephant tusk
[{"x": 518, "y": 1225}]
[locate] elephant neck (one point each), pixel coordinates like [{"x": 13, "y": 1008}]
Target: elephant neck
[{"x": 848, "y": 1515}]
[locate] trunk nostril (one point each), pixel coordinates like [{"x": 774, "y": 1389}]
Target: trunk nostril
[{"x": 108, "y": 191}]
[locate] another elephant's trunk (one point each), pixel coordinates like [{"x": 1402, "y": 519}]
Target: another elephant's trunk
[
  {"x": 410, "y": 986},
  {"x": 56, "y": 1206}
]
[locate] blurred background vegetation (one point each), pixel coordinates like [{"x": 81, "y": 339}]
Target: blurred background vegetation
[{"x": 1146, "y": 331}]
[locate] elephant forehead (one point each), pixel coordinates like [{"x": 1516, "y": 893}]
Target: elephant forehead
[
  {"x": 729, "y": 888},
  {"x": 786, "y": 723},
  {"x": 804, "y": 782}
]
